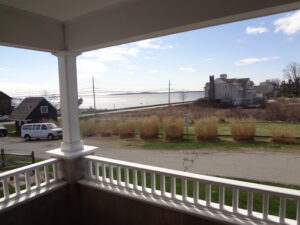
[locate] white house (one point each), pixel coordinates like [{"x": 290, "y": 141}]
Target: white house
[{"x": 232, "y": 91}]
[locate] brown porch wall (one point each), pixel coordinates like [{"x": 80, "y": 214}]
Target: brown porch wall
[
  {"x": 105, "y": 208},
  {"x": 82, "y": 205}
]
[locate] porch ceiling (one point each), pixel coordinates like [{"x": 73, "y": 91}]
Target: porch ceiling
[{"x": 81, "y": 25}]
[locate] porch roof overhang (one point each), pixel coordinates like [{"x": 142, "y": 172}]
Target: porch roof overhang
[{"x": 82, "y": 25}]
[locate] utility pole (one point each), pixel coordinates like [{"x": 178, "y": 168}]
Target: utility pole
[
  {"x": 94, "y": 96},
  {"x": 169, "y": 92}
]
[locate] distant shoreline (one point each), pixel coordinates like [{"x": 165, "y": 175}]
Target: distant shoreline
[{"x": 144, "y": 93}]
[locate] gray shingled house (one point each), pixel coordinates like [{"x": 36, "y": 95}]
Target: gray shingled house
[
  {"x": 33, "y": 110},
  {"x": 234, "y": 91}
]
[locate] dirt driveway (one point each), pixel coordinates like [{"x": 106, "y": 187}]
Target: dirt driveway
[{"x": 280, "y": 167}]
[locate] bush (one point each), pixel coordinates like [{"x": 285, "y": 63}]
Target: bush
[
  {"x": 221, "y": 115},
  {"x": 105, "y": 128},
  {"x": 89, "y": 127},
  {"x": 149, "y": 127},
  {"x": 126, "y": 129},
  {"x": 283, "y": 134},
  {"x": 243, "y": 130},
  {"x": 207, "y": 129},
  {"x": 173, "y": 129}
]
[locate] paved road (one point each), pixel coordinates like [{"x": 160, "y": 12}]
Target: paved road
[{"x": 265, "y": 166}]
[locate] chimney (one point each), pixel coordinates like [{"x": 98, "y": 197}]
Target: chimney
[
  {"x": 211, "y": 92},
  {"x": 223, "y": 76}
]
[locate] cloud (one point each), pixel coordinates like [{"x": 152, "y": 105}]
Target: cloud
[
  {"x": 90, "y": 67},
  {"x": 154, "y": 43},
  {"x": 4, "y": 70},
  {"x": 289, "y": 24},
  {"x": 256, "y": 30},
  {"x": 208, "y": 59},
  {"x": 248, "y": 61},
  {"x": 152, "y": 71},
  {"x": 187, "y": 69},
  {"x": 17, "y": 88}
]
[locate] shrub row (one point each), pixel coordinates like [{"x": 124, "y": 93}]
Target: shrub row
[{"x": 206, "y": 129}]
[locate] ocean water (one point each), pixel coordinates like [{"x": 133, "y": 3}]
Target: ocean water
[{"x": 133, "y": 100}]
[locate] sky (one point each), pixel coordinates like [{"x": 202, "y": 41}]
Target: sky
[{"x": 258, "y": 48}]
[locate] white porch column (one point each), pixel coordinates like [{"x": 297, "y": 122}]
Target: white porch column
[
  {"x": 69, "y": 101},
  {"x": 72, "y": 145}
]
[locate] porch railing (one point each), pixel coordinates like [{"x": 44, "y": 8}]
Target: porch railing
[
  {"x": 27, "y": 181},
  {"x": 193, "y": 193}
]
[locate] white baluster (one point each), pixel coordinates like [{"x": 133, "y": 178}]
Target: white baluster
[
  {"x": 27, "y": 181},
  {"x": 97, "y": 173},
  {"x": 119, "y": 176},
  {"x": 144, "y": 187},
  {"x": 265, "y": 206},
  {"x": 5, "y": 189},
  {"x": 17, "y": 184},
  {"x": 127, "y": 177},
  {"x": 55, "y": 171},
  {"x": 208, "y": 194},
  {"x": 235, "y": 200},
  {"x": 173, "y": 187},
  {"x": 196, "y": 192},
  {"x": 221, "y": 197},
  {"x": 37, "y": 177},
  {"x": 46, "y": 170},
  {"x": 111, "y": 174},
  {"x": 135, "y": 179},
  {"x": 153, "y": 183},
  {"x": 163, "y": 185},
  {"x": 249, "y": 203},
  {"x": 184, "y": 189},
  {"x": 282, "y": 207},
  {"x": 103, "y": 173}
]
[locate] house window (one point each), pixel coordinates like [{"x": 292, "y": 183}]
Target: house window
[{"x": 44, "y": 109}]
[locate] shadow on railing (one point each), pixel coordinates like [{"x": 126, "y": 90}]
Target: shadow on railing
[{"x": 218, "y": 198}]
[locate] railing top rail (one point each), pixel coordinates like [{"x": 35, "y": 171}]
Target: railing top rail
[
  {"x": 285, "y": 192},
  {"x": 28, "y": 167}
]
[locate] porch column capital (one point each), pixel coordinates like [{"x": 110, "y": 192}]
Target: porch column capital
[{"x": 66, "y": 53}]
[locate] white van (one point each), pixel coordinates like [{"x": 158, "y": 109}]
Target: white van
[{"x": 41, "y": 130}]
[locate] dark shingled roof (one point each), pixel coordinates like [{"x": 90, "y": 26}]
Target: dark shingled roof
[
  {"x": 25, "y": 108},
  {"x": 2, "y": 94},
  {"x": 239, "y": 80}
]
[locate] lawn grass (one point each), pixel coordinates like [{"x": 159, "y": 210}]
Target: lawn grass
[{"x": 291, "y": 206}]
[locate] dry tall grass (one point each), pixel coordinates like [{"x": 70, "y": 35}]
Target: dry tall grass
[
  {"x": 106, "y": 128},
  {"x": 243, "y": 130},
  {"x": 207, "y": 128},
  {"x": 173, "y": 129},
  {"x": 126, "y": 129},
  {"x": 89, "y": 127},
  {"x": 283, "y": 134},
  {"x": 149, "y": 127}
]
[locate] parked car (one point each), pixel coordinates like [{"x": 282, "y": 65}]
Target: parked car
[
  {"x": 41, "y": 130},
  {"x": 3, "y": 131},
  {"x": 3, "y": 117}
]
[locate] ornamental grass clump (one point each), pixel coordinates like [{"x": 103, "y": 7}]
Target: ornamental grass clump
[
  {"x": 280, "y": 134},
  {"x": 126, "y": 129},
  {"x": 207, "y": 129},
  {"x": 243, "y": 129},
  {"x": 173, "y": 129},
  {"x": 149, "y": 127},
  {"x": 105, "y": 128},
  {"x": 89, "y": 127}
]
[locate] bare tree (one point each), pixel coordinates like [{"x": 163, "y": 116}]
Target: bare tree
[{"x": 292, "y": 71}]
